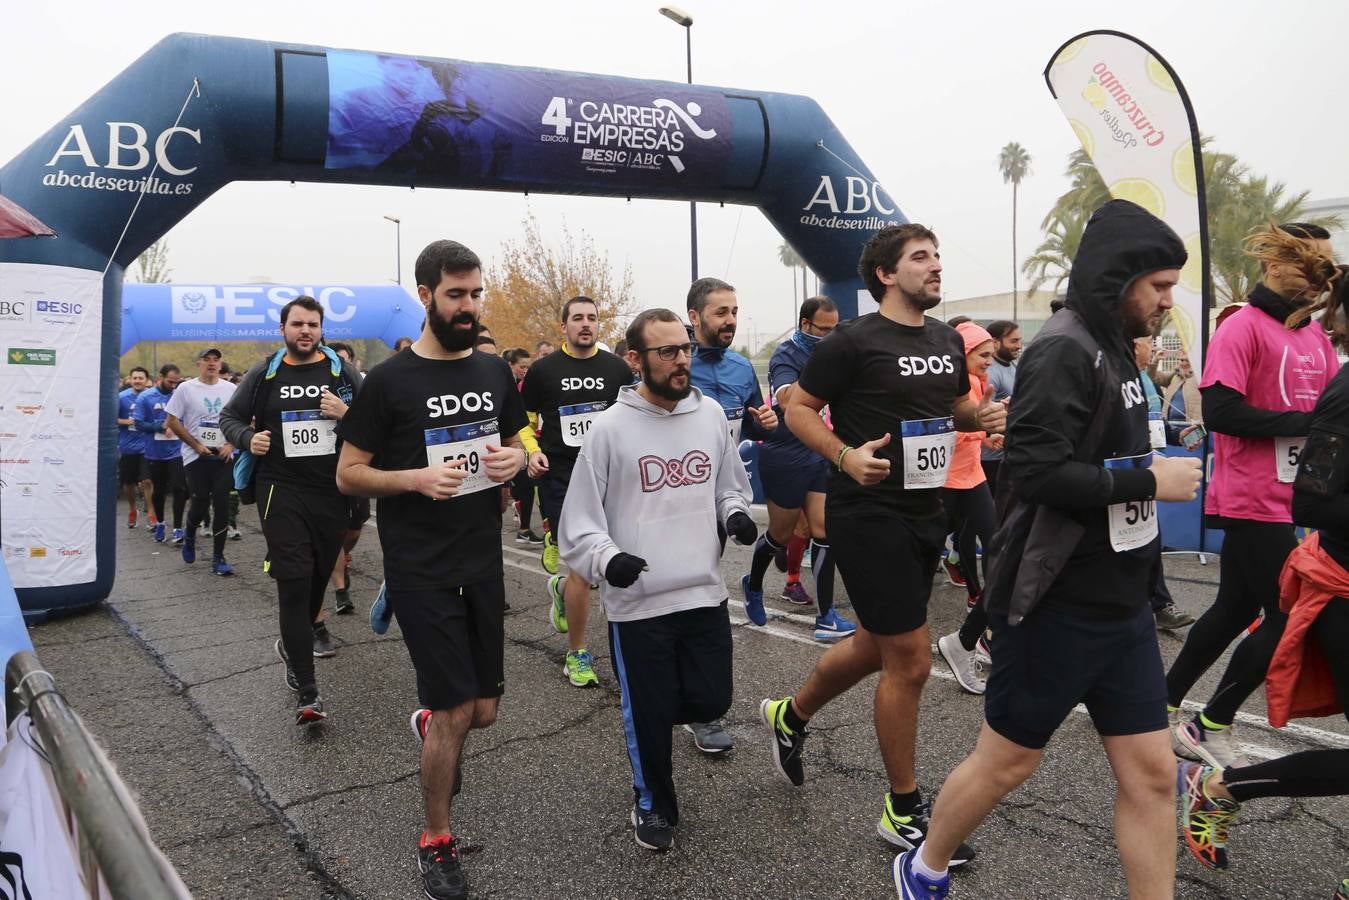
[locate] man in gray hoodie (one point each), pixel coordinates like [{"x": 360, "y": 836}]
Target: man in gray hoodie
[{"x": 655, "y": 477}]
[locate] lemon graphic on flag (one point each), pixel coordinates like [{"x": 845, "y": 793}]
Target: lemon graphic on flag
[
  {"x": 1084, "y": 136},
  {"x": 1140, "y": 191},
  {"x": 1094, "y": 94},
  {"x": 1071, "y": 51},
  {"x": 1159, "y": 76},
  {"x": 1192, "y": 275},
  {"x": 1182, "y": 169}
]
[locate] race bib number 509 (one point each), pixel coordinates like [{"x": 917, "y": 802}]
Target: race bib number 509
[{"x": 466, "y": 444}]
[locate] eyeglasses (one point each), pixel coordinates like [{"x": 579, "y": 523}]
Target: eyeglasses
[
  {"x": 822, "y": 329},
  {"x": 669, "y": 351}
]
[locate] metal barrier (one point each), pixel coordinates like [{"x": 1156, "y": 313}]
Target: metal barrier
[{"x": 113, "y": 841}]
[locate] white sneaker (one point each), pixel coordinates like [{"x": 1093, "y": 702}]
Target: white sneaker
[
  {"x": 964, "y": 664},
  {"x": 1174, "y": 721},
  {"x": 1217, "y": 748},
  {"x": 233, "y": 534}
]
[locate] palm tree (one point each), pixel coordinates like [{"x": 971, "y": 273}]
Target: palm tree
[
  {"x": 791, "y": 259},
  {"x": 1014, "y": 164},
  {"x": 1054, "y": 257}
]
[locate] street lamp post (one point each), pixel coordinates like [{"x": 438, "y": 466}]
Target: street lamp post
[
  {"x": 681, "y": 18},
  {"x": 398, "y": 247}
]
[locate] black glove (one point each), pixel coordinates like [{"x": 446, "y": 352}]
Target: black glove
[
  {"x": 623, "y": 570},
  {"x": 741, "y": 527}
]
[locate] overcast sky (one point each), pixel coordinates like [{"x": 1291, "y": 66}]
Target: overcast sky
[{"x": 926, "y": 93}]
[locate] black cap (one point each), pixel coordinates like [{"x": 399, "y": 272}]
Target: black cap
[{"x": 208, "y": 351}]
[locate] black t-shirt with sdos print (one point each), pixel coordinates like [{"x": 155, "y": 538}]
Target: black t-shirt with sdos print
[
  {"x": 880, "y": 377},
  {"x": 412, "y": 409},
  {"x": 568, "y": 393}
]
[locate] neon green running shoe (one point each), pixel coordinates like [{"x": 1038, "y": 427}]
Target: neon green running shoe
[
  {"x": 907, "y": 832},
  {"x": 579, "y": 668},
  {"x": 557, "y": 609},
  {"x": 1343, "y": 892},
  {"x": 549, "y": 557}
]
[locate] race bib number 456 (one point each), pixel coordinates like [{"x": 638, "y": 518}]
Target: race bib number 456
[{"x": 465, "y": 443}]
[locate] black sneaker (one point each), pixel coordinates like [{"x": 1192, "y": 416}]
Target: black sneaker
[
  {"x": 291, "y": 681},
  {"x": 907, "y": 832},
  {"x": 309, "y": 708},
  {"x": 342, "y": 604},
  {"x": 787, "y": 744},
  {"x": 1169, "y": 618},
  {"x": 442, "y": 876},
  {"x": 323, "y": 642},
  {"x": 527, "y": 536},
  {"x": 651, "y": 830}
]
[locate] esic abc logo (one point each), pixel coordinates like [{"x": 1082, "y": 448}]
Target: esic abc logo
[
  {"x": 657, "y": 472},
  {"x": 60, "y": 307},
  {"x": 450, "y": 404},
  {"x": 294, "y": 391},
  {"x": 588, "y": 383},
  {"x": 926, "y": 365},
  {"x": 13, "y": 309}
]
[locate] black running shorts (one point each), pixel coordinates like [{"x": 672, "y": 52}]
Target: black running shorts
[
  {"x": 304, "y": 529},
  {"x": 1049, "y": 663},
  {"x": 167, "y": 475},
  {"x": 887, "y": 563},
  {"x": 456, "y": 639},
  {"x": 552, "y": 491},
  {"x": 129, "y": 467}
]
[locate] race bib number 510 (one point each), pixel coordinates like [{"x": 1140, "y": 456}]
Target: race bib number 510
[
  {"x": 574, "y": 421},
  {"x": 467, "y": 444}
]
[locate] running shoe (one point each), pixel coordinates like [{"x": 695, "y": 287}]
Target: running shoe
[
  {"x": 150, "y": 522},
  {"x": 787, "y": 744},
  {"x": 1203, "y": 819},
  {"x": 1343, "y": 892},
  {"x": 549, "y": 558},
  {"x": 710, "y": 737},
  {"x": 953, "y": 576},
  {"x": 219, "y": 566},
  {"x": 754, "y": 610},
  {"x": 178, "y": 535},
  {"x": 912, "y": 886},
  {"x": 190, "y": 550},
  {"x": 291, "y": 681},
  {"x": 159, "y": 532},
  {"x": 323, "y": 642},
  {"x": 442, "y": 876},
  {"x": 651, "y": 830},
  {"x": 964, "y": 663},
  {"x": 1217, "y": 748},
  {"x": 796, "y": 594},
  {"x": 131, "y": 519},
  {"x": 579, "y": 668},
  {"x": 1169, "y": 618},
  {"x": 234, "y": 534},
  {"x": 381, "y": 613},
  {"x": 557, "y": 606},
  {"x": 419, "y": 722},
  {"x": 983, "y": 649},
  {"x": 309, "y": 708},
  {"x": 527, "y": 536},
  {"x": 832, "y": 627},
  {"x": 907, "y": 832},
  {"x": 1174, "y": 720},
  {"x": 342, "y": 603}
]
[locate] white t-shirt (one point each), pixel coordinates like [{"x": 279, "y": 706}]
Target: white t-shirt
[{"x": 198, "y": 407}]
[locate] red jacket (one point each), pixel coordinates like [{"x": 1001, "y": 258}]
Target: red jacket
[{"x": 1299, "y": 683}]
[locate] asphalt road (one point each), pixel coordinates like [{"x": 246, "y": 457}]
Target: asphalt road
[{"x": 176, "y": 676}]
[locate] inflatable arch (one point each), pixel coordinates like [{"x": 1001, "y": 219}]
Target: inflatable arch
[{"x": 197, "y": 112}]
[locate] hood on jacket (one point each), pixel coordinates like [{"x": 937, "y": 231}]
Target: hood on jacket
[
  {"x": 628, "y": 396},
  {"x": 1121, "y": 242}
]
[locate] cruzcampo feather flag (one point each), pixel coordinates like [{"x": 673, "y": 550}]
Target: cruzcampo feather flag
[{"x": 1129, "y": 110}]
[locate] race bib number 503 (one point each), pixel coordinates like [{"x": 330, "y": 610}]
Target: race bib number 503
[{"x": 928, "y": 447}]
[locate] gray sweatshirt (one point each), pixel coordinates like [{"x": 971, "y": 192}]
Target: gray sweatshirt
[{"x": 654, "y": 484}]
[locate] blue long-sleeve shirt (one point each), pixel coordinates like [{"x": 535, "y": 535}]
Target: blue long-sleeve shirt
[
  {"x": 728, "y": 378},
  {"x": 130, "y": 440},
  {"x": 149, "y": 414}
]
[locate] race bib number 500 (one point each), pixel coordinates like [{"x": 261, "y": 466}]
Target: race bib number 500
[
  {"x": 1133, "y": 523},
  {"x": 928, "y": 447},
  {"x": 465, "y": 443}
]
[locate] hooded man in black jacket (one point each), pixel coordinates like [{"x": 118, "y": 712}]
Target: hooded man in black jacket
[{"x": 1076, "y": 626}]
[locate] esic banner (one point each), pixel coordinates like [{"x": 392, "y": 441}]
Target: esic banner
[
  {"x": 1134, "y": 119},
  {"x": 51, "y": 323},
  {"x": 471, "y": 121}
]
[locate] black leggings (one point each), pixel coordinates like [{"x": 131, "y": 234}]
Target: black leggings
[
  {"x": 1313, "y": 773},
  {"x": 166, "y": 475},
  {"x": 969, "y": 513},
  {"x": 301, "y": 599},
  {"x": 1248, "y": 582},
  {"x": 522, "y": 490},
  {"x": 209, "y": 480}
]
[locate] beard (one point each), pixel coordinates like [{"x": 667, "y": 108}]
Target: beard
[
  {"x": 451, "y": 337},
  {"x": 293, "y": 347},
  {"x": 1004, "y": 354},
  {"x": 664, "y": 389},
  {"x": 720, "y": 338},
  {"x": 920, "y": 302}
]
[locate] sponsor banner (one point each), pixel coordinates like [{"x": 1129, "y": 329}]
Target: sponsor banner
[
  {"x": 48, "y": 415},
  {"x": 457, "y": 122},
  {"x": 251, "y": 312},
  {"x": 125, "y": 157},
  {"x": 1134, "y": 119}
]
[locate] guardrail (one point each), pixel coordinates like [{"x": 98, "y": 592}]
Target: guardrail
[{"x": 113, "y": 841}]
